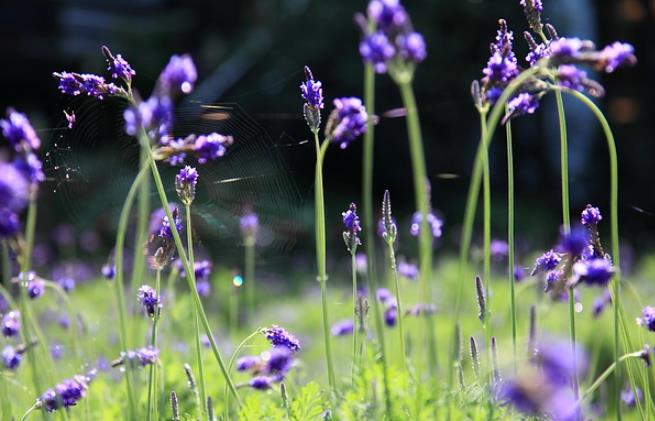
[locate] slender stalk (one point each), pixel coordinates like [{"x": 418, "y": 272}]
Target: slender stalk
[
  {"x": 355, "y": 365},
  {"x": 230, "y": 364},
  {"x": 152, "y": 395},
  {"x": 319, "y": 202},
  {"x": 249, "y": 264},
  {"x": 191, "y": 282},
  {"x": 6, "y": 280},
  {"x": 619, "y": 318},
  {"x": 421, "y": 197},
  {"x": 605, "y": 374},
  {"x": 476, "y": 176},
  {"x": 143, "y": 213},
  {"x": 201, "y": 367},
  {"x": 28, "y": 412},
  {"x": 486, "y": 216},
  {"x": 510, "y": 235},
  {"x": 118, "y": 283},
  {"x": 401, "y": 313}
]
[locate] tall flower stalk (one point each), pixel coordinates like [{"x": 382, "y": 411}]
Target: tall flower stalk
[
  {"x": 352, "y": 240},
  {"x": 510, "y": 236}
]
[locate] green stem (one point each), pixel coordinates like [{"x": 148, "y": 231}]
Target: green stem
[
  {"x": 619, "y": 318},
  {"x": 319, "y": 202},
  {"x": 423, "y": 207},
  {"x": 249, "y": 257},
  {"x": 143, "y": 213},
  {"x": 353, "y": 267},
  {"x": 191, "y": 282},
  {"x": 233, "y": 359},
  {"x": 6, "y": 280},
  {"x": 152, "y": 395},
  {"x": 476, "y": 176},
  {"x": 510, "y": 236},
  {"x": 6, "y": 264},
  {"x": 28, "y": 412},
  {"x": 605, "y": 374},
  {"x": 118, "y": 283},
  {"x": 401, "y": 313},
  {"x": 192, "y": 262}
]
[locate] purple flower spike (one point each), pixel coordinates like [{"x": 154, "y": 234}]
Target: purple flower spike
[
  {"x": 11, "y": 324},
  {"x": 352, "y": 228},
  {"x": 179, "y": 75},
  {"x": 66, "y": 393},
  {"x": 347, "y": 121},
  {"x": 391, "y": 316},
  {"x": 342, "y": 328},
  {"x": 18, "y": 130},
  {"x": 138, "y": 358},
  {"x": 616, "y": 55},
  {"x": 211, "y": 146},
  {"x": 9, "y": 223},
  {"x": 312, "y": 90},
  {"x": 260, "y": 383},
  {"x": 149, "y": 299},
  {"x": 14, "y": 188},
  {"x": 383, "y": 295},
  {"x": 165, "y": 231},
  {"x": 591, "y": 216},
  {"x": 278, "y": 361},
  {"x": 556, "y": 361},
  {"x": 11, "y": 358},
  {"x": 247, "y": 362},
  {"x": 185, "y": 184},
  {"x": 278, "y": 336},
  {"x": 408, "y": 270},
  {"x": 118, "y": 66},
  {"x": 378, "y": 50},
  {"x": 204, "y": 288},
  {"x": 35, "y": 286},
  {"x": 569, "y": 76},
  {"x": 593, "y": 272},
  {"x": 522, "y": 104},
  {"x": 108, "y": 271},
  {"x": 547, "y": 261},
  {"x": 434, "y": 222},
  {"x": 249, "y": 224},
  {"x": 648, "y": 318}
]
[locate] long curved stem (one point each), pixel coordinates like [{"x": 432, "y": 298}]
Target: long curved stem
[
  {"x": 319, "y": 201},
  {"x": 401, "y": 313},
  {"x": 233, "y": 358},
  {"x": 192, "y": 262},
  {"x": 118, "y": 283},
  {"x": 510, "y": 236},
  {"x": 191, "y": 283},
  {"x": 476, "y": 177},
  {"x": 605, "y": 374}
]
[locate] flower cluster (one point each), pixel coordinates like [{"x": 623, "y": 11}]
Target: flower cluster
[
  {"x": 204, "y": 148},
  {"x": 387, "y": 299},
  {"x": 202, "y": 270},
  {"x": 434, "y": 223},
  {"x": 149, "y": 299},
  {"x": 66, "y": 394},
  {"x": 347, "y": 121},
  {"x": 271, "y": 366},
  {"x": 542, "y": 388},
  {"x": 20, "y": 178},
  {"x": 578, "y": 258},
  {"x": 138, "y": 358},
  {"x": 34, "y": 285},
  {"x": 160, "y": 249},
  {"x": 648, "y": 318},
  {"x": 352, "y": 229},
  {"x": 11, "y": 324},
  {"x": 342, "y": 328},
  {"x": 393, "y": 46},
  {"x": 185, "y": 184}
]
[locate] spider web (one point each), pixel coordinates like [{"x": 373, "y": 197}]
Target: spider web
[{"x": 90, "y": 168}]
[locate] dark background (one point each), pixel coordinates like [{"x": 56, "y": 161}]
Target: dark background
[{"x": 251, "y": 53}]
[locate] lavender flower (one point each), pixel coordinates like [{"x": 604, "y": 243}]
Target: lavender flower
[
  {"x": 277, "y": 362},
  {"x": 11, "y": 324},
  {"x": 434, "y": 222},
  {"x": 499, "y": 249},
  {"x": 532, "y": 10},
  {"x": 377, "y": 50},
  {"x": 185, "y": 184},
  {"x": 501, "y": 68},
  {"x": 389, "y": 15},
  {"x": 616, "y": 55},
  {"x": 165, "y": 231},
  {"x": 629, "y": 398},
  {"x": 66, "y": 393},
  {"x": 411, "y": 47},
  {"x": 312, "y": 90},
  {"x": 347, "y": 121},
  {"x": 249, "y": 224},
  {"x": 342, "y": 328},
  {"x": 202, "y": 270},
  {"x": 278, "y": 336},
  {"x": 353, "y": 228},
  {"x": 569, "y": 76},
  {"x": 387, "y": 228},
  {"x": 204, "y": 288},
  {"x": 523, "y": 103},
  {"x": 383, "y": 295},
  {"x": 138, "y": 358},
  {"x": 11, "y": 357},
  {"x": 648, "y": 318},
  {"x": 179, "y": 74},
  {"x": 573, "y": 242},
  {"x": 157, "y": 218},
  {"x": 211, "y": 147},
  {"x": 149, "y": 299},
  {"x": 18, "y": 130},
  {"x": 92, "y": 85},
  {"x": 247, "y": 362},
  {"x": 408, "y": 270},
  {"x": 14, "y": 188},
  {"x": 555, "y": 359},
  {"x": 593, "y": 272},
  {"x": 420, "y": 308},
  {"x": 260, "y": 383},
  {"x": 391, "y": 316},
  {"x": 118, "y": 66},
  {"x": 9, "y": 223},
  {"x": 547, "y": 261},
  {"x": 601, "y": 302},
  {"x": 108, "y": 271},
  {"x": 155, "y": 116},
  {"x": 34, "y": 286},
  {"x": 591, "y": 216},
  {"x": 31, "y": 167}
]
